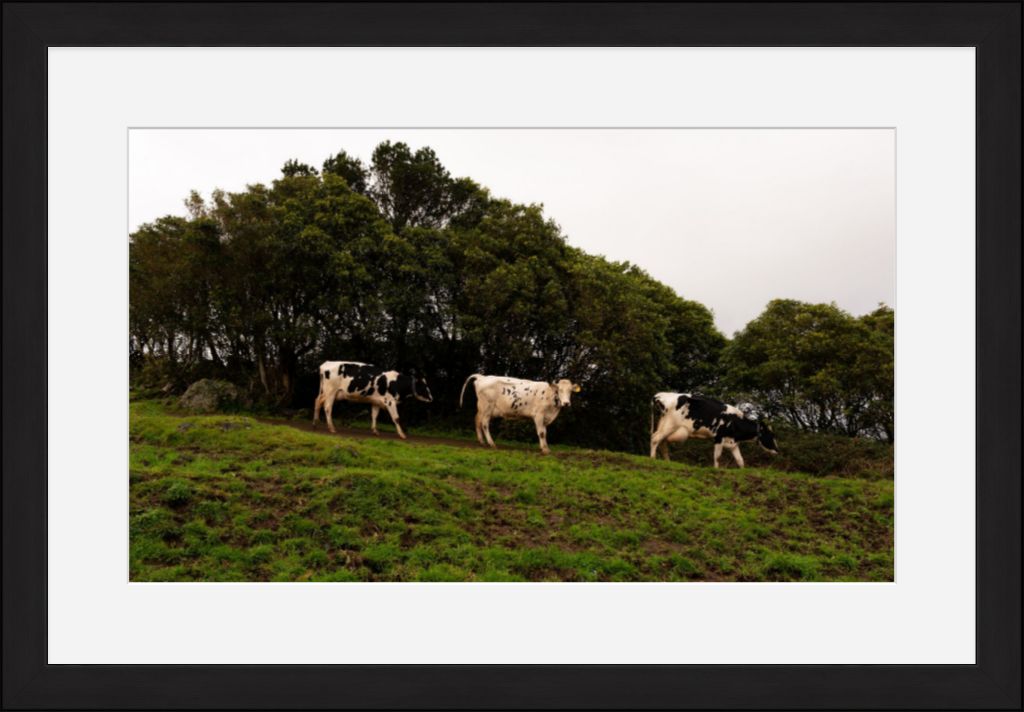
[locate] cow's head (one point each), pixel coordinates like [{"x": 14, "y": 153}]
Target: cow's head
[
  {"x": 766, "y": 438},
  {"x": 420, "y": 388},
  {"x": 564, "y": 389}
]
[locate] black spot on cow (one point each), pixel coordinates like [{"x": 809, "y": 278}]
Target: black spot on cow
[
  {"x": 382, "y": 384},
  {"x": 410, "y": 385},
  {"x": 736, "y": 427},
  {"x": 352, "y": 369},
  {"x": 362, "y": 379},
  {"x": 401, "y": 387},
  {"x": 704, "y": 412},
  {"x": 420, "y": 389},
  {"x": 766, "y": 437},
  {"x": 715, "y": 416}
]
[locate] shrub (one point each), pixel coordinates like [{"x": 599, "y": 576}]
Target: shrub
[{"x": 819, "y": 454}]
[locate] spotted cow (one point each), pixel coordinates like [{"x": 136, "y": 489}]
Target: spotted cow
[
  {"x": 681, "y": 416},
  {"x": 365, "y": 383},
  {"x": 504, "y": 397}
]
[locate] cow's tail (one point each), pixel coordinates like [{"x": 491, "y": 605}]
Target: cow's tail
[
  {"x": 657, "y": 408},
  {"x": 468, "y": 381},
  {"x": 319, "y": 396}
]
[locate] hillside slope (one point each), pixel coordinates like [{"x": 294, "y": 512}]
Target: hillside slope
[{"x": 230, "y": 498}]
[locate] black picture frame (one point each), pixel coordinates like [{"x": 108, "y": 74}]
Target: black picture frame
[{"x": 994, "y": 28}]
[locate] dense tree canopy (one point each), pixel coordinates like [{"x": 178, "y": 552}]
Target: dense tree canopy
[
  {"x": 400, "y": 264},
  {"x": 817, "y": 367}
]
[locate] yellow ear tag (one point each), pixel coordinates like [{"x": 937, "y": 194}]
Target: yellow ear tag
[{"x": 576, "y": 389}]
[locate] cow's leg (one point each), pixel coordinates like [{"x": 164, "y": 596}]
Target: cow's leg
[
  {"x": 660, "y": 434},
  {"x": 658, "y": 443},
  {"x": 666, "y": 432},
  {"x": 735, "y": 450},
  {"x": 679, "y": 435},
  {"x": 477, "y": 420},
  {"x": 316, "y": 408},
  {"x": 328, "y": 397},
  {"x": 374, "y": 411},
  {"x": 718, "y": 452},
  {"x": 485, "y": 423},
  {"x": 656, "y": 439},
  {"x": 542, "y": 434},
  {"x": 393, "y": 412}
]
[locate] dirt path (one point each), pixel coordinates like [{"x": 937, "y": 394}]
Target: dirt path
[
  {"x": 364, "y": 434},
  {"x": 622, "y": 459}
]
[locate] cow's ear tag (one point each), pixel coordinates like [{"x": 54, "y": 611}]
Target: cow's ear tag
[{"x": 576, "y": 389}]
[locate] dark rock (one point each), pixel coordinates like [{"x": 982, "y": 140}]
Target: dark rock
[{"x": 211, "y": 396}]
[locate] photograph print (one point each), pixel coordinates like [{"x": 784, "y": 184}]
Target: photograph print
[{"x": 511, "y": 355}]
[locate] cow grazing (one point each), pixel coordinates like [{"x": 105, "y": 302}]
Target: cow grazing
[
  {"x": 682, "y": 416},
  {"x": 365, "y": 383},
  {"x": 503, "y": 397}
]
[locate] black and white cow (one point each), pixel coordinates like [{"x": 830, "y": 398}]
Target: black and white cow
[
  {"x": 504, "y": 397},
  {"x": 365, "y": 383},
  {"x": 681, "y": 416}
]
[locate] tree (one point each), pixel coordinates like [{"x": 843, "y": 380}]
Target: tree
[
  {"x": 876, "y": 368},
  {"x": 301, "y": 259},
  {"x": 690, "y": 330},
  {"x": 294, "y": 168},
  {"x": 172, "y": 268},
  {"x": 413, "y": 189},
  {"x": 350, "y": 168},
  {"x": 514, "y": 267},
  {"x": 817, "y": 367}
]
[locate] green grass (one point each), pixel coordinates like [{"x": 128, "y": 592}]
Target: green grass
[{"x": 227, "y": 498}]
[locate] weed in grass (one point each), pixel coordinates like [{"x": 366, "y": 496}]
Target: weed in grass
[
  {"x": 177, "y": 493},
  {"x": 783, "y": 566}
]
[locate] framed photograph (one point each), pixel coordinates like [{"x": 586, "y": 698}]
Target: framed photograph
[{"x": 514, "y": 355}]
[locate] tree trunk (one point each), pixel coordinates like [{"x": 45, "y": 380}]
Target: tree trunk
[
  {"x": 213, "y": 351},
  {"x": 288, "y": 366},
  {"x": 263, "y": 370}
]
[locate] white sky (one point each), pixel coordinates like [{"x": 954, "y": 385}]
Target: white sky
[{"x": 731, "y": 218}]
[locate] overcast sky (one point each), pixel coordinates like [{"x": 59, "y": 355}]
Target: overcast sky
[{"x": 729, "y": 217}]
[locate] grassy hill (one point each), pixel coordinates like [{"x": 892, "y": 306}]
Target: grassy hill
[{"x": 230, "y": 498}]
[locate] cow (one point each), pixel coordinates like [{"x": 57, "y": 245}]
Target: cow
[
  {"x": 503, "y": 397},
  {"x": 682, "y": 416},
  {"x": 365, "y": 383}
]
